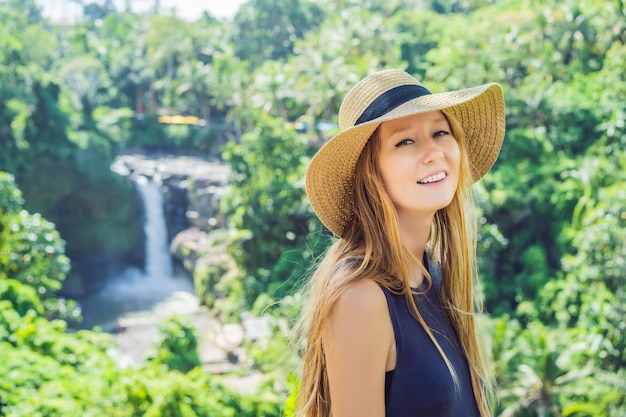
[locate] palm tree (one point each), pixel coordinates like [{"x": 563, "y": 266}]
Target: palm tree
[
  {"x": 545, "y": 370},
  {"x": 168, "y": 40}
]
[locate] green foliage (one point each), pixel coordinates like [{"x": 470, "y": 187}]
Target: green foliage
[
  {"x": 33, "y": 253},
  {"x": 281, "y": 348},
  {"x": 275, "y": 354},
  {"x": 217, "y": 278},
  {"x": 55, "y": 152},
  {"x": 266, "y": 198},
  {"x": 86, "y": 79},
  {"x": 46, "y": 370},
  {"x": 178, "y": 349},
  {"x": 21, "y": 297},
  {"x": 49, "y": 372},
  {"x": 11, "y": 201},
  {"x": 540, "y": 380},
  {"x": 267, "y": 29},
  {"x": 592, "y": 293},
  {"x": 545, "y": 371},
  {"x": 293, "y": 384}
]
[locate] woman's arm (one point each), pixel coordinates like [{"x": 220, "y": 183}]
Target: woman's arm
[{"x": 357, "y": 340}]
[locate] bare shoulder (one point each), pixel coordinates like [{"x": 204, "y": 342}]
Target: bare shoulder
[
  {"x": 363, "y": 296},
  {"x": 360, "y": 309}
]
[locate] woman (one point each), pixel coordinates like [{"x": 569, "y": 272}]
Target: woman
[{"x": 391, "y": 328}]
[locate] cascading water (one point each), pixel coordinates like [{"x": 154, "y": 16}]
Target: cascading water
[
  {"x": 137, "y": 296},
  {"x": 158, "y": 259}
]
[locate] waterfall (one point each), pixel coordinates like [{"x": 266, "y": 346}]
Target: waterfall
[
  {"x": 158, "y": 257},
  {"x": 137, "y": 296}
]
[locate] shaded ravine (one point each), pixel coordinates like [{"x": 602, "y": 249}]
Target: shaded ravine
[
  {"x": 133, "y": 303},
  {"x": 136, "y": 295}
]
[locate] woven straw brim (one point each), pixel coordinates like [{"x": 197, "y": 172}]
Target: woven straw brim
[{"x": 330, "y": 175}]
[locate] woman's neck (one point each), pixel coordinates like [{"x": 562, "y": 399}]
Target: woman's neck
[{"x": 414, "y": 234}]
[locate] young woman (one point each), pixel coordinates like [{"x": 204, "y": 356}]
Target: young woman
[{"x": 391, "y": 330}]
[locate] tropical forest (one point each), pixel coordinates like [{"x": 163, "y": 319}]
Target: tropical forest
[{"x": 93, "y": 107}]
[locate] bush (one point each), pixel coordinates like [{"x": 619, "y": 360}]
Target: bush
[
  {"x": 32, "y": 252},
  {"x": 178, "y": 350}
]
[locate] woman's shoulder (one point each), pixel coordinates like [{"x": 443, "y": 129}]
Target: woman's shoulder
[
  {"x": 360, "y": 317},
  {"x": 361, "y": 301},
  {"x": 364, "y": 292}
]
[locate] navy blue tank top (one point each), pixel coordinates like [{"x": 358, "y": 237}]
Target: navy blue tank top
[{"x": 421, "y": 384}]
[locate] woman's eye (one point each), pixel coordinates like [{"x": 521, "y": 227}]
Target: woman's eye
[
  {"x": 404, "y": 142},
  {"x": 441, "y": 133}
]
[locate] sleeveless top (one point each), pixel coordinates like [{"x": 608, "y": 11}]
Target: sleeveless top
[{"x": 421, "y": 384}]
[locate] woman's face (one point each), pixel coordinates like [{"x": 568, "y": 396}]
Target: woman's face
[{"x": 419, "y": 162}]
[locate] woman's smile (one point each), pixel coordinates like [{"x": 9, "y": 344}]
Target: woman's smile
[{"x": 435, "y": 178}]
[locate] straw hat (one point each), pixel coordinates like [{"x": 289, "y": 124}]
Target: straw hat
[{"x": 387, "y": 95}]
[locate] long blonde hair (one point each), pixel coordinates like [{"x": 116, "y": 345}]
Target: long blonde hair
[{"x": 371, "y": 247}]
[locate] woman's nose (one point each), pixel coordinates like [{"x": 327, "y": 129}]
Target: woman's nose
[{"x": 432, "y": 155}]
